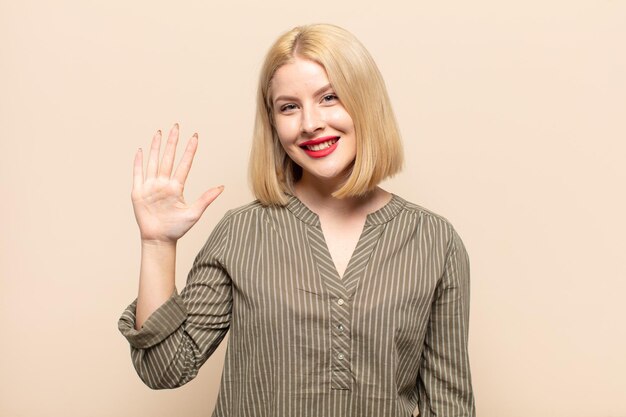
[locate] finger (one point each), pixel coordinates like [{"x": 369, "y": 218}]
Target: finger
[
  {"x": 138, "y": 170},
  {"x": 153, "y": 159},
  {"x": 165, "y": 169},
  {"x": 206, "y": 199},
  {"x": 185, "y": 162}
]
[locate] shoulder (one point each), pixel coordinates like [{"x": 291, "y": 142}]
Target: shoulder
[
  {"x": 432, "y": 225},
  {"x": 250, "y": 213},
  {"x": 233, "y": 224},
  {"x": 425, "y": 216},
  {"x": 435, "y": 227},
  {"x": 245, "y": 209}
]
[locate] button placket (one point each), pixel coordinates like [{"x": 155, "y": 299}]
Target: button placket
[{"x": 341, "y": 368}]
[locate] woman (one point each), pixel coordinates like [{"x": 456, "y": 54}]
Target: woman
[{"x": 341, "y": 298}]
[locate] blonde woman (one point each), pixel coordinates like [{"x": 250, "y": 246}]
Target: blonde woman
[{"x": 342, "y": 299}]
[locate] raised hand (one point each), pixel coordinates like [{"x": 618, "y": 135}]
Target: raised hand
[{"x": 160, "y": 209}]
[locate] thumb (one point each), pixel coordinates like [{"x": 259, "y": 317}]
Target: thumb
[{"x": 206, "y": 199}]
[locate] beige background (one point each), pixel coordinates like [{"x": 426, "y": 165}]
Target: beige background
[{"x": 513, "y": 119}]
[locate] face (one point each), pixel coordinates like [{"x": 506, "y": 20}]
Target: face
[{"x": 314, "y": 128}]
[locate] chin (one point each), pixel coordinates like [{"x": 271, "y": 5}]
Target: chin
[{"x": 331, "y": 176}]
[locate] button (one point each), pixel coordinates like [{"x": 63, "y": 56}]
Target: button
[
  {"x": 340, "y": 356},
  {"x": 340, "y": 301},
  {"x": 340, "y": 327}
]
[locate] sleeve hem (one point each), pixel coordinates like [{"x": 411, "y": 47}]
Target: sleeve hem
[{"x": 163, "y": 322}]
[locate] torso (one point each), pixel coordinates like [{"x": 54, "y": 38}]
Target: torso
[
  {"x": 287, "y": 305},
  {"x": 341, "y": 238},
  {"x": 342, "y": 233}
]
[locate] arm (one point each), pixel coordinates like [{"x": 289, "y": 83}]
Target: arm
[
  {"x": 164, "y": 353},
  {"x": 444, "y": 381},
  {"x": 176, "y": 340},
  {"x": 163, "y": 217},
  {"x": 156, "y": 277}
]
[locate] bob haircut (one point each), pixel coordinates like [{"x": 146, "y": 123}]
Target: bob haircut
[{"x": 354, "y": 76}]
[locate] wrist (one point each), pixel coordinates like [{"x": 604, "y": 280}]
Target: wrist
[{"x": 158, "y": 244}]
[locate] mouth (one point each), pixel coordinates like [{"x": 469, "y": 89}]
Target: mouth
[
  {"x": 320, "y": 143},
  {"x": 321, "y": 147}
]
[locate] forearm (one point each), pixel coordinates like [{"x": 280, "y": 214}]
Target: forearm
[{"x": 156, "y": 278}]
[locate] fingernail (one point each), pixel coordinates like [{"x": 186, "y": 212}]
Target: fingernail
[
  {"x": 195, "y": 135},
  {"x": 176, "y": 126},
  {"x": 159, "y": 132},
  {"x": 221, "y": 187}
]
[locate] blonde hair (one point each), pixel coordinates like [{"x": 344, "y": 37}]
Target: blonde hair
[{"x": 359, "y": 85}]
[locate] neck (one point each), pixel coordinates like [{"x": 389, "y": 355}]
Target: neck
[{"x": 317, "y": 195}]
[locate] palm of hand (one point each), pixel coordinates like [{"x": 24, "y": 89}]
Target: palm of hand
[{"x": 160, "y": 209}]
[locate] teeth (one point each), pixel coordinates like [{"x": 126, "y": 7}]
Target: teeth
[{"x": 320, "y": 146}]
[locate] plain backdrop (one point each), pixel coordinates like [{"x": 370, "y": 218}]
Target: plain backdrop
[{"x": 513, "y": 120}]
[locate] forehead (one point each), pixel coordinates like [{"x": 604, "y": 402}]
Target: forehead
[{"x": 299, "y": 77}]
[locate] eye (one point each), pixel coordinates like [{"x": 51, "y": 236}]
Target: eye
[
  {"x": 329, "y": 98},
  {"x": 287, "y": 107}
]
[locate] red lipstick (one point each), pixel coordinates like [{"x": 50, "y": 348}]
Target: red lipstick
[{"x": 322, "y": 152}]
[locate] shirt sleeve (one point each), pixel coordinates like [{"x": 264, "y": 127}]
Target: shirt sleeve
[
  {"x": 173, "y": 343},
  {"x": 444, "y": 381}
]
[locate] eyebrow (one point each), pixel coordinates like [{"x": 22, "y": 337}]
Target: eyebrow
[{"x": 318, "y": 92}]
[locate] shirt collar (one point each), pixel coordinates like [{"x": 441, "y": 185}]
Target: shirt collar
[{"x": 380, "y": 216}]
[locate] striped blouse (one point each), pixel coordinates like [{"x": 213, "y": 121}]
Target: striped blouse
[{"x": 389, "y": 336}]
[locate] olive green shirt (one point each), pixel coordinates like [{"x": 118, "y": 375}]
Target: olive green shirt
[{"x": 388, "y": 336}]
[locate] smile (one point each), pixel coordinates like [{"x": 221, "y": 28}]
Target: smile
[{"x": 321, "y": 147}]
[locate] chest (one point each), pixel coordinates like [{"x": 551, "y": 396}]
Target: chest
[
  {"x": 341, "y": 239},
  {"x": 289, "y": 290},
  {"x": 281, "y": 263}
]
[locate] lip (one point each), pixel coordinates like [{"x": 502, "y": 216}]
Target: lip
[
  {"x": 323, "y": 152},
  {"x": 317, "y": 140}
]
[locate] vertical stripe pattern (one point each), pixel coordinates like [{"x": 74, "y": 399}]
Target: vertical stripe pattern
[{"x": 387, "y": 337}]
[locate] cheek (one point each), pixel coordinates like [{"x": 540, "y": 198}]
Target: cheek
[
  {"x": 286, "y": 130},
  {"x": 341, "y": 120}
]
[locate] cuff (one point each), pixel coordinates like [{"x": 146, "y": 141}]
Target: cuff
[{"x": 162, "y": 323}]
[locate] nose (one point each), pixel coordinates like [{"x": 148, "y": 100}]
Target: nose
[{"x": 312, "y": 120}]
